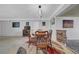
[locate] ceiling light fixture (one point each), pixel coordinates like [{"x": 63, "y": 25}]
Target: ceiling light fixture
[
  {"x": 40, "y": 11},
  {"x": 39, "y": 6}
]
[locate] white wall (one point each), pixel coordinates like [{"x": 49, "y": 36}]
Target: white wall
[
  {"x": 0, "y": 29},
  {"x": 7, "y": 30},
  {"x": 72, "y": 33}
]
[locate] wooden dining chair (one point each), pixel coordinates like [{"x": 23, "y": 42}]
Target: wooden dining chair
[{"x": 42, "y": 40}]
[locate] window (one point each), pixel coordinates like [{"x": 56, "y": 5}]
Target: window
[
  {"x": 27, "y": 23},
  {"x": 43, "y": 23},
  {"x": 15, "y": 24}
]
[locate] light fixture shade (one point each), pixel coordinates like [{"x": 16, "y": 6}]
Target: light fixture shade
[{"x": 40, "y": 13}]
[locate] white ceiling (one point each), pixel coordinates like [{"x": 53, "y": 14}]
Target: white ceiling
[
  {"x": 73, "y": 12},
  {"x": 26, "y": 10}
]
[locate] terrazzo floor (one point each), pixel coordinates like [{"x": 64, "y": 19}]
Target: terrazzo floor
[
  {"x": 74, "y": 44},
  {"x": 10, "y": 45}
]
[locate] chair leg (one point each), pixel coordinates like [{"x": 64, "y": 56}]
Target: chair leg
[
  {"x": 36, "y": 50},
  {"x": 50, "y": 43},
  {"x": 28, "y": 45},
  {"x": 46, "y": 48}
]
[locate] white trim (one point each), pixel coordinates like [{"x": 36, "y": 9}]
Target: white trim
[
  {"x": 66, "y": 17},
  {"x": 18, "y": 19}
]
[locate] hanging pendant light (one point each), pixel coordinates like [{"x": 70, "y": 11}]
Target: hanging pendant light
[
  {"x": 39, "y": 6},
  {"x": 40, "y": 11}
]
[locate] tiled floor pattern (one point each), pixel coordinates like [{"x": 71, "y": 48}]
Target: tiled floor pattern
[{"x": 10, "y": 45}]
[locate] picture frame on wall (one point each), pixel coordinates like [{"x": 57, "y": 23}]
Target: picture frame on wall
[
  {"x": 15, "y": 24},
  {"x": 67, "y": 23},
  {"x": 27, "y": 23},
  {"x": 43, "y": 23}
]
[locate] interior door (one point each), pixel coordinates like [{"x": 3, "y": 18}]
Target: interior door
[{"x": 61, "y": 36}]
